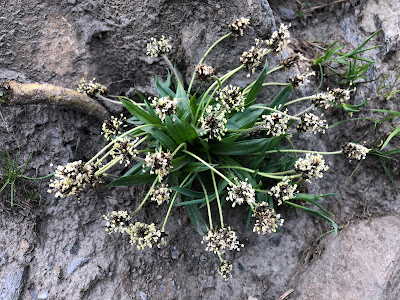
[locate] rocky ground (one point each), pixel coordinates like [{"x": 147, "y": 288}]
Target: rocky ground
[{"x": 58, "y": 249}]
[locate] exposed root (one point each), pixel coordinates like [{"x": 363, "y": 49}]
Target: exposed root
[{"x": 36, "y": 93}]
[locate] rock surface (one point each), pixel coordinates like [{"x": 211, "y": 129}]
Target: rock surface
[{"x": 63, "y": 41}]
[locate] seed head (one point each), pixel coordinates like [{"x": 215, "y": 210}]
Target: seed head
[
  {"x": 117, "y": 221},
  {"x": 165, "y": 107},
  {"x": 221, "y": 240},
  {"x": 354, "y": 151},
  {"x": 71, "y": 179},
  {"x": 237, "y": 26},
  {"x": 276, "y": 123},
  {"x": 267, "y": 220},
  {"x": 91, "y": 88},
  {"x": 204, "y": 72},
  {"x": 213, "y": 123},
  {"x": 323, "y": 100},
  {"x": 243, "y": 192},
  {"x": 161, "y": 194},
  {"x": 125, "y": 149},
  {"x": 113, "y": 127},
  {"x": 297, "y": 81},
  {"x": 292, "y": 60},
  {"x": 160, "y": 163},
  {"x": 312, "y": 123},
  {"x": 312, "y": 166},
  {"x": 225, "y": 269},
  {"x": 158, "y": 48},
  {"x": 144, "y": 235},
  {"x": 252, "y": 59},
  {"x": 279, "y": 39},
  {"x": 283, "y": 191},
  {"x": 232, "y": 98},
  {"x": 340, "y": 96}
]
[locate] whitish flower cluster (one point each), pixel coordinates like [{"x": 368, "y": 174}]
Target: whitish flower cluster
[
  {"x": 355, "y": 151},
  {"x": 164, "y": 107},
  {"x": 125, "y": 149},
  {"x": 323, "y": 100},
  {"x": 292, "y": 60},
  {"x": 312, "y": 166},
  {"x": 113, "y": 127},
  {"x": 159, "y": 162},
  {"x": 297, "y": 81},
  {"x": 312, "y": 123},
  {"x": 71, "y": 179},
  {"x": 117, "y": 221},
  {"x": 91, "y": 88},
  {"x": 204, "y": 72},
  {"x": 340, "y": 96},
  {"x": 225, "y": 269},
  {"x": 221, "y": 240},
  {"x": 276, "y": 123},
  {"x": 158, "y": 48},
  {"x": 252, "y": 59},
  {"x": 283, "y": 191},
  {"x": 213, "y": 123},
  {"x": 143, "y": 235},
  {"x": 279, "y": 39},
  {"x": 232, "y": 98},
  {"x": 161, "y": 194},
  {"x": 237, "y": 26},
  {"x": 267, "y": 220},
  {"x": 241, "y": 193}
]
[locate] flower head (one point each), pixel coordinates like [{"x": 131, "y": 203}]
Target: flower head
[
  {"x": 158, "y": 48},
  {"x": 113, "y": 127},
  {"x": 71, "y": 179},
  {"x": 267, "y": 220},
  {"x": 340, "y": 96},
  {"x": 252, "y": 59},
  {"x": 276, "y": 123},
  {"x": 312, "y": 123},
  {"x": 213, "y": 123},
  {"x": 161, "y": 194},
  {"x": 91, "y": 88},
  {"x": 165, "y": 106},
  {"x": 159, "y": 162},
  {"x": 232, "y": 98},
  {"x": 144, "y": 235},
  {"x": 221, "y": 240},
  {"x": 279, "y": 39},
  {"x": 323, "y": 100},
  {"x": 292, "y": 60},
  {"x": 225, "y": 269},
  {"x": 125, "y": 149},
  {"x": 297, "y": 81},
  {"x": 204, "y": 72},
  {"x": 283, "y": 191},
  {"x": 117, "y": 221},
  {"x": 355, "y": 151},
  {"x": 237, "y": 26},
  {"x": 241, "y": 193},
  {"x": 312, "y": 166}
]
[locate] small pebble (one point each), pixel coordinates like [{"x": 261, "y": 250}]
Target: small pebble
[
  {"x": 203, "y": 258},
  {"x": 162, "y": 288},
  {"x": 24, "y": 246},
  {"x": 143, "y": 296},
  {"x": 159, "y": 277},
  {"x": 43, "y": 295}
]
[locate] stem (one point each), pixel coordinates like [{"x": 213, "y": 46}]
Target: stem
[
  {"x": 177, "y": 149},
  {"x": 173, "y": 200},
  {"x": 209, "y": 166},
  {"x": 107, "y": 99},
  {"x": 304, "y": 151},
  {"x": 246, "y": 90},
  {"x": 219, "y": 256},
  {"x": 245, "y": 130},
  {"x": 274, "y": 110},
  {"x": 172, "y": 69},
  {"x": 204, "y": 57},
  {"x": 304, "y": 111},
  {"x": 39, "y": 178},
  {"x": 115, "y": 140},
  {"x": 216, "y": 194},
  {"x": 145, "y": 198},
  {"x": 268, "y": 175},
  {"x": 300, "y": 99},
  {"x": 207, "y": 201},
  {"x": 107, "y": 166}
]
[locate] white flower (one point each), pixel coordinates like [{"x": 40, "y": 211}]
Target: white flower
[
  {"x": 276, "y": 123},
  {"x": 241, "y": 193},
  {"x": 312, "y": 166},
  {"x": 283, "y": 191},
  {"x": 158, "y": 48},
  {"x": 355, "y": 151},
  {"x": 267, "y": 220}
]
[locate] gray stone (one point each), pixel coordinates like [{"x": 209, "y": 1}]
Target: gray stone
[
  {"x": 43, "y": 294},
  {"x": 76, "y": 264},
  {"x": 143, "y": 295},
  {"x": 13, "y": 284}
]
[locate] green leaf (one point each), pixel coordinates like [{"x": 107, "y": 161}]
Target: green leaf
[
  {"x": 239, "y": 148},
  {"x": 178, "y": 163},
  {"x": 252, "y": 95},
  {"x": 244, "y": 119},
  {"x": 134, "y": 169},
  {"x": 193, "y": 104},
  {"x": 161, "y": 137},
  {"x": 389, "y": 138},
  {"x": 183, "y": 107},
  {"x": 139, "y": 113},
  {"x": 281, "y": 98},
  {"x": 163, "y": 89},
  {"x": 133, "y": 180},
  {"x": 187, "y": 192},
  {"x": 196, "y": 167},
  {"x": 197, "y": 219}
]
